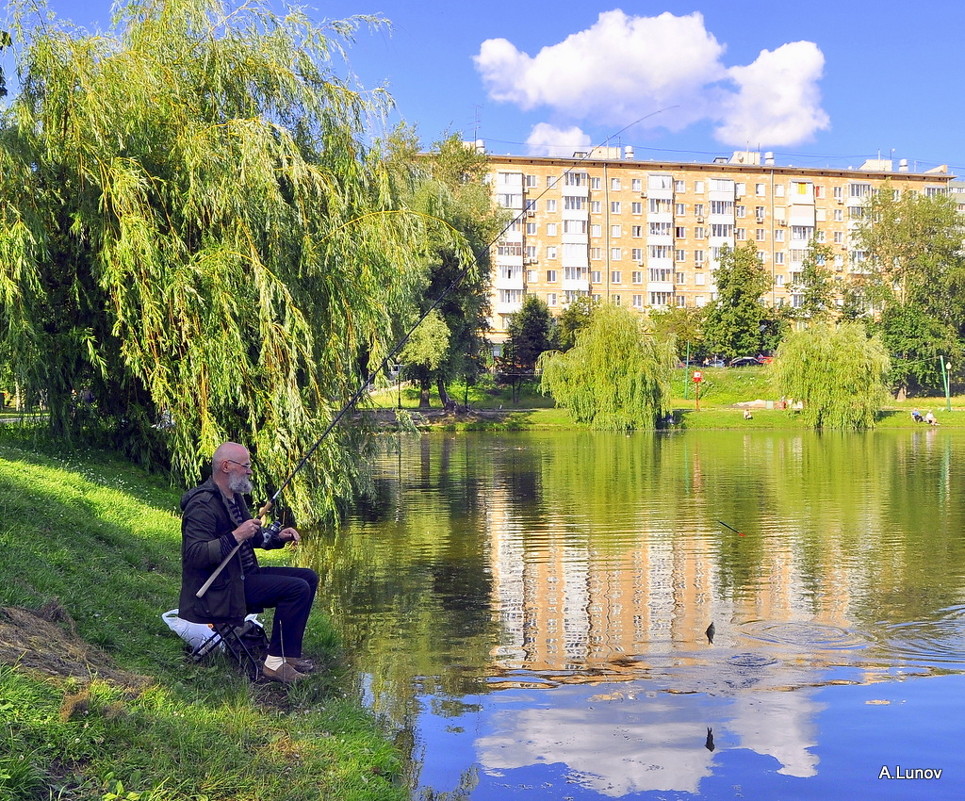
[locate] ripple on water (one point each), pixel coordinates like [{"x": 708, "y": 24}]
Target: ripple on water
[
  {"x": 941, "y": 640},
  {"x": 805, "y": 635}
]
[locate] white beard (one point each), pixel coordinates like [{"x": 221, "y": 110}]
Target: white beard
[{"x": 239, "y": 484}]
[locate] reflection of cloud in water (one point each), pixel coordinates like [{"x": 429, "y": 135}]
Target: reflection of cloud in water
[
  {"x": 611, "y": 750},
  {"x": 781, "y": 725},
  {"x": 634, "y": 741}
]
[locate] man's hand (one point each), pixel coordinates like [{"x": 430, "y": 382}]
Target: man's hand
[
  {"x": 247, "y": 530},
  {"x": 289, "y": 534}
]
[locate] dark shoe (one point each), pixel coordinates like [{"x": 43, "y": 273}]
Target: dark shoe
[
  {"x": 285, "y": 673},
  {"x": 301, "y": 664}
]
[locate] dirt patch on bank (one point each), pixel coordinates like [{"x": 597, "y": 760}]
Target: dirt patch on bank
[{"x": 46, "y": 641}]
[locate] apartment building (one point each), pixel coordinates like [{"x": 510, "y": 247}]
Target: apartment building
[{"x": 648, "y": 234}]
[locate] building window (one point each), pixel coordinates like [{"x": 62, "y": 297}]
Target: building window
[
  {"x": 551, "y": 299},
  {"x": 551, "y": 229},
  {"x": 615, "y": 184},
  {"x": 681, "y": 301},
  {"x": 680, "y": 278},
  {"x": 699, "y": 258},
  {"x": 778, "y": 280},
  {"x": 740, "y": 211},
  {"x": 596, "y": 254},
  {"x": 680, "y": 255},
  {"x": 740, "y": 234},
  {"x": 573, "y": 202},
  {"x": 615, "y": 231},
  {"x": 637, "y": 276},
  {"x": 575, "y": 179},
  {"x": 574, "y": 226},
  {"x": 779, "y": 190},
  {"x": 700, "y": 279},
  {"x": 680, "y": 209},
  {"x": 660, "y": 298},
  {"x": 660, "y": 252},
  {"x": 551, "y": 206},
  {"x": 660, "y": 274},
  {"x": 636, "y": 184},
  {"x": 722, "y": 207},
  {"x": 839, "y": 215},
  {"x": 530, "y": 229},
  {"x": 596, "y": 230},
  {"x": 595, "y": 276},
  {"x": 594, "y": 183},
  {"x": 779, "y": 257},
  {"x": 638, "y": 301},
  {"x": 532, "y": 180},
  {"x": 779, "y": 235},
  {"x": 595, "y": 207},
  {"x": 636, "y": 254},
  {"x": 636, "y": 207},
  {"x": 614, "y": 207},
  {"x": 679, "y": 186},
  {"x": 551, "y": 252},
  {"x": 616, "y": 277},
  {"x": 722, "y": 230},
  {"x": 615, "y": 300},
  {"x": 636, "y": 231},
  {"x": 615, "y": 254},
  {"x": 551, "y": 276},
  {"x": 680, "y": 232},
  {"x": 531, "y": 277},
  {"x": 760, "y": 234},
  {"x": 839, "y": 237},
  {"x": 660, "y": 228}
]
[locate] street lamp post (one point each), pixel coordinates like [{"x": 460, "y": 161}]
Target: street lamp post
[{"x": 946, "y": 378}]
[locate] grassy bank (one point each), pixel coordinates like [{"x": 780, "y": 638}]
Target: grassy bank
[
  {"x": 724, "y": 393},
  {"x": 101, "y": 703}
]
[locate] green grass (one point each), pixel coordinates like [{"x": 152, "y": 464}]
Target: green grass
[
  {"x": 721, "y": 392},
  {"x": 102, "y": 540}
]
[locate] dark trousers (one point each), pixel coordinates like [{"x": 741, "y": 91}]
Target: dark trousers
[{"x": 290, "y": 590}]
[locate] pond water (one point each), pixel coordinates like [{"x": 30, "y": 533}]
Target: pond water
[{"x": 710, "y": 615}]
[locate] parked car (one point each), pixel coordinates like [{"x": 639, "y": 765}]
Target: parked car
[{"x": 744, "y": 361}]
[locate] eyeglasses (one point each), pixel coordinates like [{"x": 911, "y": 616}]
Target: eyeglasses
[{"x": 246, "y": 465}]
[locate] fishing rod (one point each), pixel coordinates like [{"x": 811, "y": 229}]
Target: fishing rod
[{"x": 383, "y": 365}]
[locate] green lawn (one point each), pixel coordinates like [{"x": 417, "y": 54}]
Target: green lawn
[{"x": 98, "y": 541}]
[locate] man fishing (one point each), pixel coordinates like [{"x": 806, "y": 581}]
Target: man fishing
[{"x": 215, "y": 521}]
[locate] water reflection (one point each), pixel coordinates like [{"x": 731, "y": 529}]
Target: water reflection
[{"x": 569, "y": 615}]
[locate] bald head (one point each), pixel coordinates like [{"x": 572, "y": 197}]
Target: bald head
[{"x": 231, "y": 467}]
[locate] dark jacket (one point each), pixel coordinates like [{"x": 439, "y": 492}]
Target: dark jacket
[{"x": 206, "y": 539}]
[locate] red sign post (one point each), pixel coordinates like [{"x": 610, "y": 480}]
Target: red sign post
[{"x": 698, "y": 377}]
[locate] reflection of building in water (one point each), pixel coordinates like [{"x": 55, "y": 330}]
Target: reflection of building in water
[{"x": 568, "y": 601}]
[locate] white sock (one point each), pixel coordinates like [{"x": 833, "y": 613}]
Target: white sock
[{"x": 274, "y": 662}]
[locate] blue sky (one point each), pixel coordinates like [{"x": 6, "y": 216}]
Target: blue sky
[{"x": 823, "y": 83}]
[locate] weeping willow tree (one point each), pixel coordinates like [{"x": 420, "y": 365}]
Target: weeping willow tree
[
  {"x": 193, "y": 230},
  {"x": 837, "y": 372},
  {"x": 615, "y": 378}
]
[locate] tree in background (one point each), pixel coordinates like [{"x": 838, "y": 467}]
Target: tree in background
[
  {"x": 736, "y": 322},
  {"x": 425, "y": 351},
  {"x": 448, "y": 183},
  {"x": 616, "y": 377},
  {"x": 817, "y": 284},
  {"x": 574, "y": 318},
  {"x": 916, "y": 274},
  {"x": 683, "y": 326},
  {"x": 529, "y": 334},
  {"x": 838, "y": 373},
  {"x": 194, "y": 229}
]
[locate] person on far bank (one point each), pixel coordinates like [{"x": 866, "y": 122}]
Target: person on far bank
[{"x": 214, "y": 520}]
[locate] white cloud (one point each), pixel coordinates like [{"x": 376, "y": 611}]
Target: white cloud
[
  {"x": 777, "y": 102},
  {"x": 667, "y": 68},
  {"x": 548, "y": 140}
]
